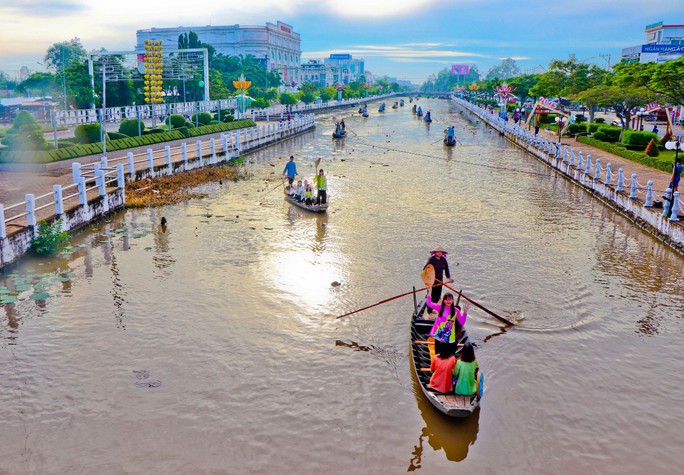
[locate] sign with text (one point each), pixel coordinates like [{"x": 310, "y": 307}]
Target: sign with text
[
  {"x": 460, "y": 69},
  {"x": 548, "y": 102},
  {"x": 662, "y": 48}
]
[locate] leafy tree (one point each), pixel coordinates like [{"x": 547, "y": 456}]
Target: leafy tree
[
  {"x": 287, "y": 99},
  {"x": 60, "y": 55},
  {"x": 504, "y": 70},
  {"x": 307, "y": 97},
  {"x": 523, "y": 84},
  {"x": 190, "y": 40},
  {"x": 327, "y": 93},
  {"x": 663, "y": 80},
  {"x": 41, "y": 84},
  {"x": 79, "y": 92}
]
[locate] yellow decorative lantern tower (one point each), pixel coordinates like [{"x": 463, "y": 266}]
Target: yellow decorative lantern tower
[
  {"x": 241, "y": 85},
  {"x": 153, "y": 72}
]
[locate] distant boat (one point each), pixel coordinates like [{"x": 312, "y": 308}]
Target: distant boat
[
  {"x": 427, "y": 118},
  {"x": 395, "y": 106},
  {"x": 340, "y": 133},
  {"x": 382, "y": 107},
  {"x": 419, "y": 112},
  {"x": 364, "y": 113},
  {"x": 401, "y": 103}
]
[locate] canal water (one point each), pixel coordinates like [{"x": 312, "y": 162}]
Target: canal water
[{"x": 210, "y": 345}]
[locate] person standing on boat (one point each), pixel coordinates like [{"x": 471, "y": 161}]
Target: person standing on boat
[
  {"x": 342, "y": 124},
  {"x": 290, "y": 170},
  {"x": 321, "y": 186},
  {"x": 439, "y": 262}
]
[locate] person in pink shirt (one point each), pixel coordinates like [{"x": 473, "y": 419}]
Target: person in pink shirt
[{"x": 448, "y": 326}]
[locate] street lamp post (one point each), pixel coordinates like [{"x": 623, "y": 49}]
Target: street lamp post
[
  {"x": 559, "y": 124},
  {"x": 640, "y": 118}
]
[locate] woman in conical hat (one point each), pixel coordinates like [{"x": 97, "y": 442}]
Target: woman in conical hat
[{"x": 440, "y": 265}]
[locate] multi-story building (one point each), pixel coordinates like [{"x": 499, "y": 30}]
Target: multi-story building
[
  {"x": 317, "y": 73},
  {"x": 345, "y": 68},
  {"x": 277, "y": 46},
  {"x": 663, "y": 43}
]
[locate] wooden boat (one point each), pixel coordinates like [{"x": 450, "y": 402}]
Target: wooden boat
[
  {"x": 449, "y": 141},
  {"x": 313, "y": 208},
  {"x": 419, "y": 112},
  {"x": 401, "y": 103},
  {"x": 364, "y": 113},
  {"x": 382, "y": 107},
  {"x": 451, "y": 404},
  {"x": 395, "y": 105},
  {"x": 427, "y": 117},
  {"x": 339, "y": 134}
]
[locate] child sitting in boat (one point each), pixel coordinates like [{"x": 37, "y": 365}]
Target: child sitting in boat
[
  {"x": 442, "y": 367},
  {"x": 466, "y": 373},
  {"x": 308, "y": 195},
  {"x": 299, "y": 191}
]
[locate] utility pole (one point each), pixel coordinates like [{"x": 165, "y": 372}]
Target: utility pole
[{"x": 607, "y": 58}]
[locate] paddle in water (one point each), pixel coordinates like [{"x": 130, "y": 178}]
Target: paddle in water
[
  {"x": 382, "y": 301},
  {"x": 498, "y": 317}
]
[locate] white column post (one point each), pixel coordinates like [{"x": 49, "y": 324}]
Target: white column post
[
  {"x": 150, "y": 160},
  {"x": 59, "y": 202},
  {"x": 131, "y": 165},
  {"x": 3, "y": 228},
  {"x": 31, "y": 209},
  {"x": 103, "y": 162},
  {"x": 76, "y": 171},
  {"x": 199, "y": 151},
  {"x": 167, "y": 154},
  {"x": 620, "y": 180},
  {"x": 649, "y": 194},
  {"x": 675, "y": 207},
  {"x": 184, "y": 152},
  {"x": 99, "y": 179},
  {"x": 82, "y": 193},
  {"x": 212, "y": 144}
]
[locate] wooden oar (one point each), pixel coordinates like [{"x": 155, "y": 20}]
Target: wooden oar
[
  {"x": 381, "y": 302},
  {"x": 499, "y": 317}
]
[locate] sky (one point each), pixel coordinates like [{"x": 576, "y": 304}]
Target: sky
[{"x": 405, "y": 39}]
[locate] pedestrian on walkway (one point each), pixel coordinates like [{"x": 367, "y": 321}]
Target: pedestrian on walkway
[
  {"x": 290, "y": 170},
  {"x": 676, "y": 174},
  {"x": 655, "y": 129},
  {"x": 536, "y": 129}
]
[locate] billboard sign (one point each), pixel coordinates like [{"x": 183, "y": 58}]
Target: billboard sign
[
  {"x": 662, "y": 48},
  {"x": 460, "y": 69}
]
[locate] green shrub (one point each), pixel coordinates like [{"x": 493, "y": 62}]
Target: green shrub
[
  {"x": 600, "y": 120},
  {"x": 593, "y": 127},
  {"x": 130, "y": 127},
  {"x": 189, "y": 125},
  {"x": 176, "y": 120},
  {"x": 599, "y": 136},
  {"x": 25, "y": 133},
  {"x": 51, "y": 239},
  {"x": 659, "y": 163},
  {"x": 577, "y": 128},
  {"x": 202, "y": 118},
  {"x": 115, "y": 136},
  {"x": 612, "y": 133},
  {"x": 87, "y": 133},
  {"x": 637, "y": 137},
  {"x": 579, "y": 119},
  {"x": 183, "y": 130}
]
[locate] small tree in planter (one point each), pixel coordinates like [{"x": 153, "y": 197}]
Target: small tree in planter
[{"x": 25, "y": 134}]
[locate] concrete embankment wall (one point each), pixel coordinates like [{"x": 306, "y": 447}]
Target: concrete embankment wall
[{"x": 612, "y": 190}]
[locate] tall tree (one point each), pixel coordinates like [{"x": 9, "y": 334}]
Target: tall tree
[
  {"x": 60, "y": 55},
  {"x": 41, "y": 84},
  {"x": 504, "y": 70}
]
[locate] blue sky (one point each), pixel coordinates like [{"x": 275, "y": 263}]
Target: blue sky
[{"x": 400, "y": 38}]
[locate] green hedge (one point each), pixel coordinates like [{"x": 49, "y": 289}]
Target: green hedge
[
  {"x": 658, "y": 163},
  {"x": 612, "y": 133},
  {"x": 81, "y": 150},
  {"x": 130, "y": 127},
  {"x": 87, "y": 133},
  {"x": 638, "y": 138}
]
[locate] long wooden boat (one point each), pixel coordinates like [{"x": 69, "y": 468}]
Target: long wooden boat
[
  {"x": 313, "y": 208},
  {"x": 340, "y": 134},
  {"x": 451, "y": 404},
  {"x": 449, "y": 141}
]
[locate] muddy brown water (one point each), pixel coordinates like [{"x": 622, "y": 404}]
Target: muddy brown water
[{"x": 210, "y": 345}]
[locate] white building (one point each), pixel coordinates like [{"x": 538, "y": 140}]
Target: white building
[
  {"x": 277, "y": 46},
  {"x": 317, "y": 73},
  {"x": 663, "y": 43}
]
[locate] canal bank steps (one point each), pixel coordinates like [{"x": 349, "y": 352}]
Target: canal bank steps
[
  {"x": 610, "y": 178},
  {"x": 80, "y": 193}
]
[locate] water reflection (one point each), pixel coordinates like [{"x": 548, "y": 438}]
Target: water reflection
[{"x": 452, "y": 435}]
